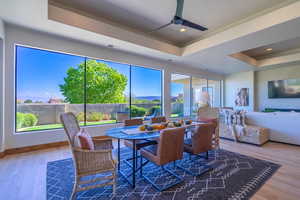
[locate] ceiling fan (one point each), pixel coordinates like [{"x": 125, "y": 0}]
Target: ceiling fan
[{"x": 178, "y": 20}]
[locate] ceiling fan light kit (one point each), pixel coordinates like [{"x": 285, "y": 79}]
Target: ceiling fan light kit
[{"x": 179, "y": 20}]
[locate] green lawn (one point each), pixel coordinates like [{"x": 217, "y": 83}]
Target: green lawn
[
  {"x": 54, "y": 126},
  {"x": 174, "y": 115}
]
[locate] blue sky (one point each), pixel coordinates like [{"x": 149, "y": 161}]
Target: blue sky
[
  {"x": 40, "y": 72},
  {"x": 176, "y": 89}
]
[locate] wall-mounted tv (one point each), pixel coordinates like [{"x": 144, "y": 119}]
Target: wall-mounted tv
[{"x": 284, "y": 88}]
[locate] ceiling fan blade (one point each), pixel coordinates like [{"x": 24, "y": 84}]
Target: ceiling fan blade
[
  {"x": 161, "y": 27},
  {"x": 179, "y": 9},
  {"x": 193, "y": 25}
]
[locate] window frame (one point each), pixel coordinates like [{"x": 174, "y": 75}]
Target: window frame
[{"x": 16, "y": 45}]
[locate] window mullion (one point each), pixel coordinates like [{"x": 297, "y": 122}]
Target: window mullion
[
  {"x": 130, "y": 87},
  {"x": 84, "y": 92}
]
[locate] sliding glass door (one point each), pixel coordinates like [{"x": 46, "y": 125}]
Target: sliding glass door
[
  {"x": 188, "y": 94},
  {"x": 214, "y": 90},
  {"x": 180, "y": 95},
  {"x": 199, "y": 85}
]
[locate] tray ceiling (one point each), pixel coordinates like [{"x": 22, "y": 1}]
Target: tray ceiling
[{"x": 144, "y": 16}]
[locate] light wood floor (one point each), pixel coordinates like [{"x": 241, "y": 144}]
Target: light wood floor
[{"x": 23, "y": 176}]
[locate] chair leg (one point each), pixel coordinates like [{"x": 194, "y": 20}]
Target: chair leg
[
  {"x": 73, "y": 195},
  {"x": 115, "y": 183},
  {"x": 136, "y": 158},
  {"x": 206, "y": 168},
  {"x": 141, "y": 164},
  {"x": 178, "y": 180}
]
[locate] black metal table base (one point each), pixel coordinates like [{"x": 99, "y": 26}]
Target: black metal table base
[{"x": 133, "y": 165}]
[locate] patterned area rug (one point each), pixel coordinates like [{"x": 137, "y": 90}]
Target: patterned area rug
[{"x": 234, "y": 176}]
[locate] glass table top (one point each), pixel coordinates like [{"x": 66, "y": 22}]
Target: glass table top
[{"x": 119, "y": 134}]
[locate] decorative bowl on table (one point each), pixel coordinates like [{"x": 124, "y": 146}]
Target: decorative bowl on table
[
  {"x": 164, "y": 125},
  {"x": 142, "y": 128},
  {"x": 170, "y": 125},
  {"x": 188, "y": 122},
  {"x": 159, "y": 126},
  {"x": 150, "y": 128},
  {"x": 177, "y": 124}
]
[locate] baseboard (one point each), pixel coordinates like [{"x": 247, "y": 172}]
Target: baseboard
[
  {"x": 39, "y": 147},
  {"x": 2, "y": 154},
  {"x": 297, "y": 145}
]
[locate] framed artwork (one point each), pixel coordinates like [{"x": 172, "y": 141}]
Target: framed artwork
[{"x": 242, "y": 97}]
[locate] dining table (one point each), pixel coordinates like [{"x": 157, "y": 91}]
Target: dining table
[{"x": 133, "y": 134}]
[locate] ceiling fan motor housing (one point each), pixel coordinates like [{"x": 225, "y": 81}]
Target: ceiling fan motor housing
[{"x": 177, "y": 20}]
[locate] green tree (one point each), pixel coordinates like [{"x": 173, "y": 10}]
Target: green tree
[
  {"x": 28, "y": 101},
  {"x": 103, "y": 84}
]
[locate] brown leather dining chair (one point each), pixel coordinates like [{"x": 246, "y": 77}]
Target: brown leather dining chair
[
  {"x": 200, "y": 142},
  {"x": 160, "y": 119},
  {"x": 169, "y": 149},
  {"x": 216, "y": 135},
  {"x": 139, "y": 143},
  {"x": 133, "y": 122}
]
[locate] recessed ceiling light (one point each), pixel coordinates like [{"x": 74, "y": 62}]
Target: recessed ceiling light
[
  {"x": 269, "y": 49},
  {"x": 182, "y": 30}
]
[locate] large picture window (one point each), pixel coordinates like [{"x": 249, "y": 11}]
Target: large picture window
[{"x": 96, "y": 91}]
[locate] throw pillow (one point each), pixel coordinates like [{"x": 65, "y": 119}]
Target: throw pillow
[{"x": 83, "y": 140}]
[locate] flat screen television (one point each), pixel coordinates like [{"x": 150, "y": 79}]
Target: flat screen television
[{"x": 284, "y": 88}]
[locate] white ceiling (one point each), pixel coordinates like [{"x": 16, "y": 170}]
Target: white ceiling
[
  {"x": 145, "y": 16},
  {"x": 229, "y": 32}
]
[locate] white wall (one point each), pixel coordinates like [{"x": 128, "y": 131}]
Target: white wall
[
  {"x": 261, "y": 87},
  {"x": 18, "y": 35},
  {"x": 235, "y": 81},
  {"x": 257, "y": 84},
  {"x": 2, "y": 31},
  {"x": 1, "y": 83}
]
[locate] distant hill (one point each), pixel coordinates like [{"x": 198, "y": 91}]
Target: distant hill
[{"x": 149, "y": 98}]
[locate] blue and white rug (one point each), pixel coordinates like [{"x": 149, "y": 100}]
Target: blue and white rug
[{"x": 234, "y": 176}]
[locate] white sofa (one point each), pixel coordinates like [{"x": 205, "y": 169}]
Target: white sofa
[{"x": 283, "y": 126}]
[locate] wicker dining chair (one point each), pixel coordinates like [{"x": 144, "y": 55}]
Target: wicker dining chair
[{"x": 89, "y": 162}]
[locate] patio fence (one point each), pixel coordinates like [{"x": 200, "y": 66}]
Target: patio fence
[{"x": 49, "y": 113}]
